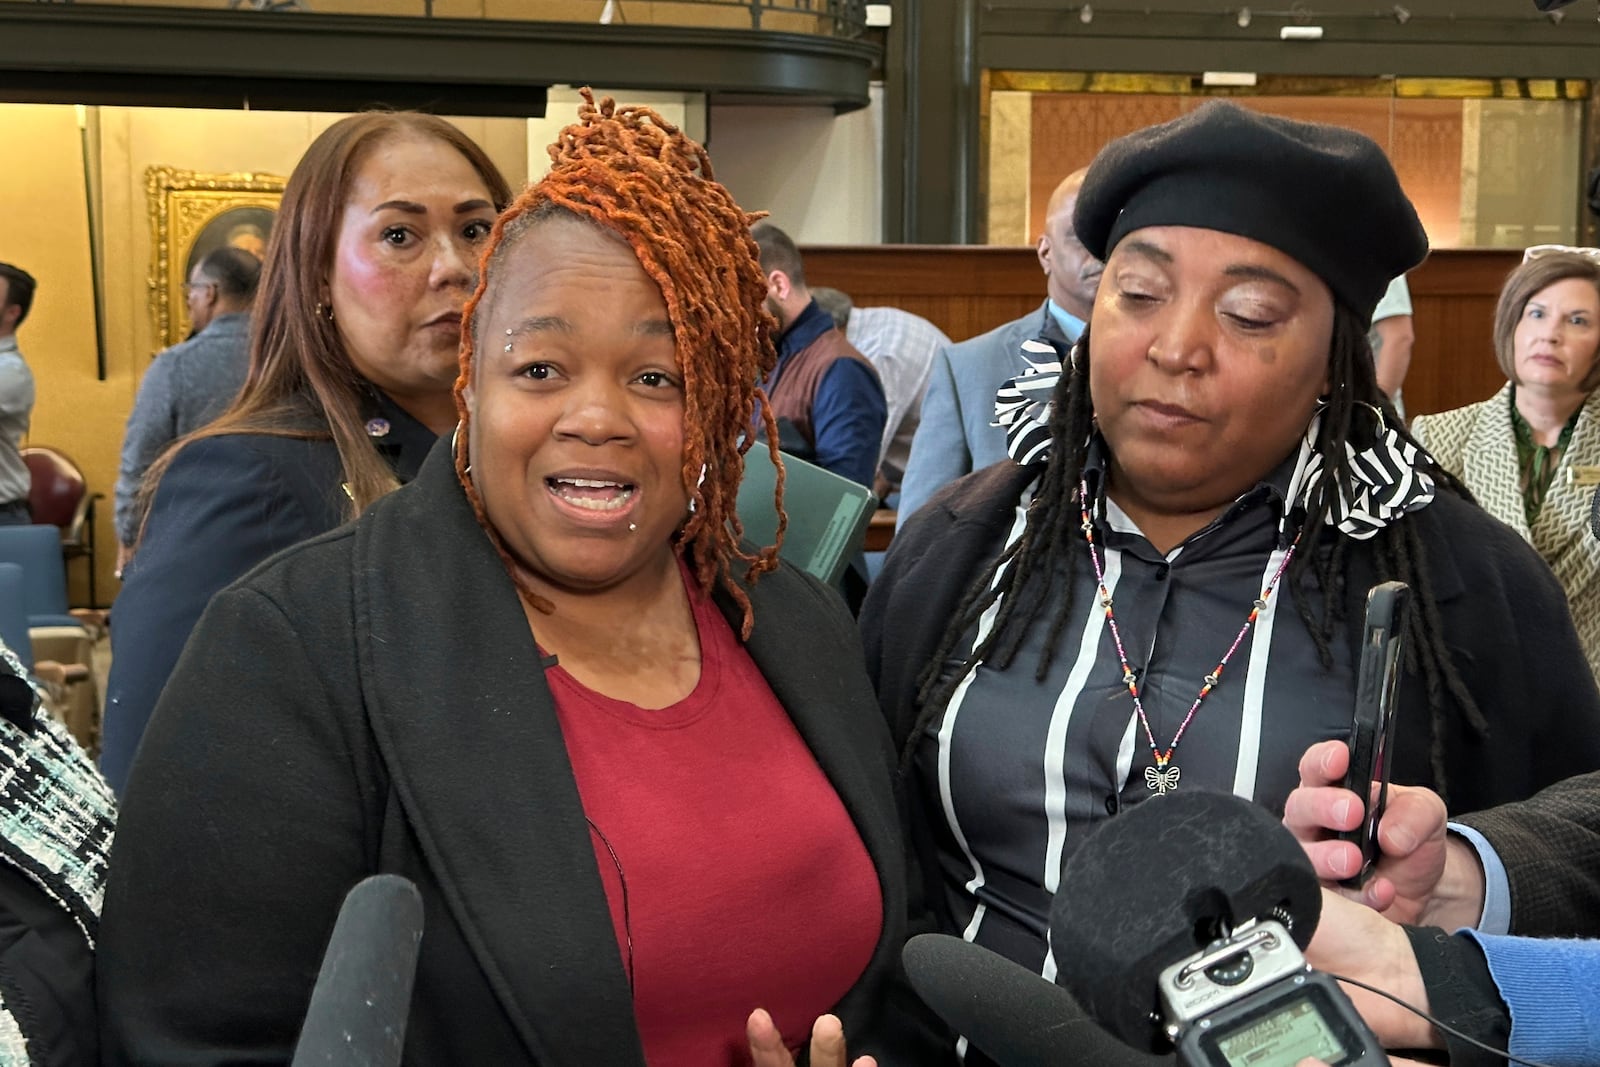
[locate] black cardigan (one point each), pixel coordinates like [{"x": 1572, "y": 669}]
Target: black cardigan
[
  {"x": 1504, "y": 619},
  {"x": 372, "y": 700}
]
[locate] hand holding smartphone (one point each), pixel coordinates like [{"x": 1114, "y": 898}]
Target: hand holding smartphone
[{"x": 1383, "y": 639}]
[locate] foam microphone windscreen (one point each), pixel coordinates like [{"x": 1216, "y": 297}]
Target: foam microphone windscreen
[
  {"x": 1594, "y": 506},
  {"x": 1008, "y": 1012},
  {"x": 1155, "y": 885},
  {"x": 362, "y": 999}
]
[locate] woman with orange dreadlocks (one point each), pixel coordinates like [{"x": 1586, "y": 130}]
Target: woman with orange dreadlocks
[{"x": 645, "y": 796}]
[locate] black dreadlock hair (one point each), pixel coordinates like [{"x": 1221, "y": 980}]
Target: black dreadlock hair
[{"x": 1028, "y": 567}]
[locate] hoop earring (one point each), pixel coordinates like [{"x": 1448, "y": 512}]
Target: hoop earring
[
  {"x": 455, "y": 436},
  {"x": 1377, "y": 414},
  {"x": 325, "y": 311},
  {"x": 701, "y": 481}
]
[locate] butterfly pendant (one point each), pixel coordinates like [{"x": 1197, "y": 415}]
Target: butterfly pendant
[{"x": 1161, "y": 779}]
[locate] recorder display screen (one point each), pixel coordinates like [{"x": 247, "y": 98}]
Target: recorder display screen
[{"x": 1282, "y": 1039}]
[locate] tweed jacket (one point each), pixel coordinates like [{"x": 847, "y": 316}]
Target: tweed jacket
[
  {"x": 1477, "y": 444},
  {"x": 372, "y": 701},
  {"x": 54, "y": 841},
  {"x": 1550, "y": 845}
]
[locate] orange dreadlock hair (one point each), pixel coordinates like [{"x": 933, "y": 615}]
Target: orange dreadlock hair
[{"x": 635, "y": 174}]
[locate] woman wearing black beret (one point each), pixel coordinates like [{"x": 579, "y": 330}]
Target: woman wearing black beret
[{"x": 1163, "y": 588}]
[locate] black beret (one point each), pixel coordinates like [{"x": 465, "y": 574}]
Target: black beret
[{"x": 1325, "y": 195}]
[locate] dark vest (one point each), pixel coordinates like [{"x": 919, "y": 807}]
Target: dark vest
[{"x": 795, "y": 391}]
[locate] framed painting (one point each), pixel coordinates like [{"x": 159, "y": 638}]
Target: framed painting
[{"x": 192, "y": 215}]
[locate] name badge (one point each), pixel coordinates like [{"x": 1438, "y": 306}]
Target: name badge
[{"x": 1588, "y": 476}]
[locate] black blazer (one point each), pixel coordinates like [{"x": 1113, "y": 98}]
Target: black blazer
[
  {"x": 371, "y": 701},
  {"x": 224, "y": 505}
]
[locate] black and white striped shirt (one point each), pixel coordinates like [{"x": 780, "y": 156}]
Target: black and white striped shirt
[{"x": 1021, "y": 770}]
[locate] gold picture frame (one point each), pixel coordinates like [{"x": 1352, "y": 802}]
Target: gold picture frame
[{"x": 191, "y": 214}]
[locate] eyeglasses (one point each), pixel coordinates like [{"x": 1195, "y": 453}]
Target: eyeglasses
[
  {"x": 1540, "y": 251},
  {"x": 189, "y": 287}
]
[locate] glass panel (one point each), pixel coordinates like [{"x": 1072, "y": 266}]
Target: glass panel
[{"x": 1484, "y": 170}]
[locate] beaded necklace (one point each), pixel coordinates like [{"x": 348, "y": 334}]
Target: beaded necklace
[{"x": 1163, "y": 777}]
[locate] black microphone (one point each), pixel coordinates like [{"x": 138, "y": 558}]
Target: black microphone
[
  {"x": 362, "y": 999},
  {"x": 1145, "y": 890},
  {"x": 1008, "y": 1012},
  {"x": 1159, "y": 882},
  {"x": 1594, "y": 513}
]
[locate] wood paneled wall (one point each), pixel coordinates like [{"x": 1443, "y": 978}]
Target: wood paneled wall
[
  {"x": 1422, "y": 138},
  {"x": 962, "y": 289},
  {"x": 1453, "y": 296},
  {"x": 965, "y": 290}
]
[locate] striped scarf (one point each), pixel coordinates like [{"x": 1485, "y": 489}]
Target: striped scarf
[{"x": 1386, "y": 480}]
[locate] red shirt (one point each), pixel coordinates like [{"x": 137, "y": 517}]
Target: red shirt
[{"x": 747, "y": 884}]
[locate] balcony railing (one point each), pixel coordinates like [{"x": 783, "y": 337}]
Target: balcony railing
[{"x": 844, "y": 19}]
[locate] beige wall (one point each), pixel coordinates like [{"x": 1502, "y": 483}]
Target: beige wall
[
  {"x": 686, "y": 110},
  {"x": 44, "y": 228},
  {"x": 819, "y": 174}
]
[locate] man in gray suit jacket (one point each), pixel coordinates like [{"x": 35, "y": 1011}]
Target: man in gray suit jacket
[
  {"x": 192, "y": 382},
  {"x": 957, "y": 434}
]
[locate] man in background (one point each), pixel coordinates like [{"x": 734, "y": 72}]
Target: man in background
[
  {"x": 16, "y": 396},
  {"x": 192, "y": 382},
  {"x": 1391, "y": 338},
  {"x": 901, "y": 346},
  {"x": 957, "y": 434},
  {"x": 826, "y": 395}
]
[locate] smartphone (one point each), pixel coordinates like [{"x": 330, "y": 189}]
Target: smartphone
[{"x": 1383, "y": 641}]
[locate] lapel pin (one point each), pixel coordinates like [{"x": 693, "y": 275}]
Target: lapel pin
[{"x": 1583, "y": 475}]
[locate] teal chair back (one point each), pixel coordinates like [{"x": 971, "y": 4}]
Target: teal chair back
[
  {"x": 13, "y": 615},
  {"x": 37, "y": 550}
]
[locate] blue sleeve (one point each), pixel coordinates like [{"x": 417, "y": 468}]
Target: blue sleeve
[
  {"x": 224, "y": 505},
  {"x": 847, "y": 419},
  {"x": 939, "y": 449},
  {"x": 152, "y": 426},
  {"x": 1552, "y": 988},
  {"x": 1496, "y": 917}
]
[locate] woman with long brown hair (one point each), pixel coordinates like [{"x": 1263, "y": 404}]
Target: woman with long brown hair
[
  {"x": 352, "y": 357},
  {"x": 633, "y": 765}
]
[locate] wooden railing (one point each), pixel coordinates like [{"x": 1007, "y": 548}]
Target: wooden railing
[{"x": 965, "y": 290}]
